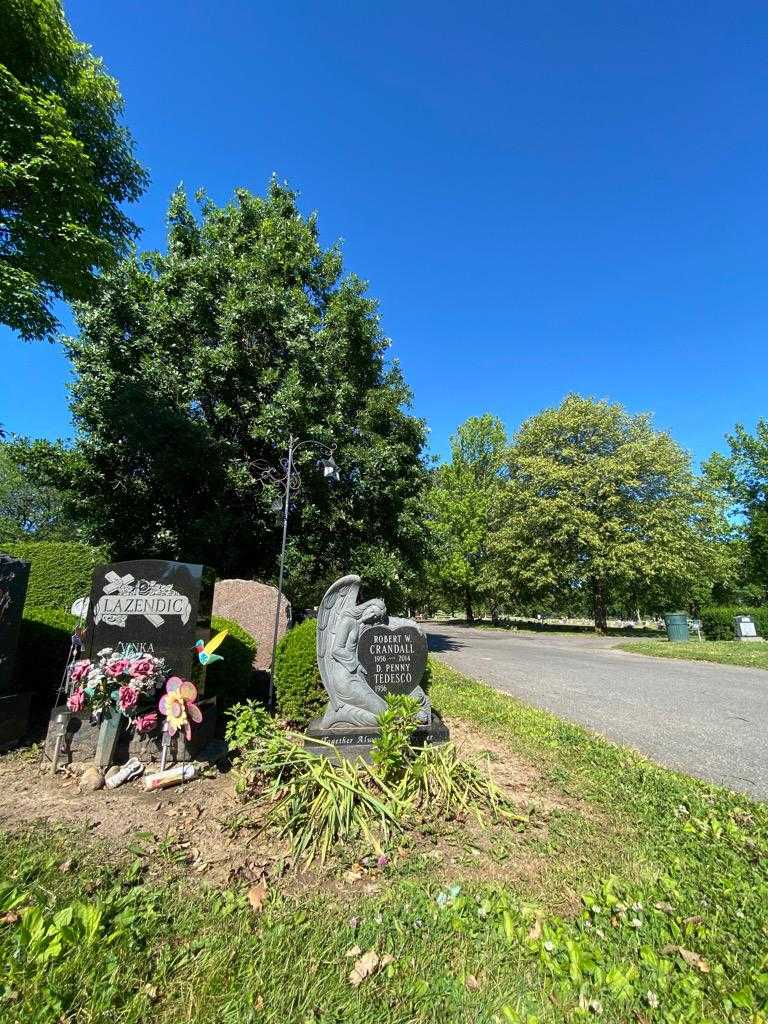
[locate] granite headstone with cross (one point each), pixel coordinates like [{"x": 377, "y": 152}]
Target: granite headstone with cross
[
  {"x": 157, "y": 606},
  {"x": 14, "y": 707}
]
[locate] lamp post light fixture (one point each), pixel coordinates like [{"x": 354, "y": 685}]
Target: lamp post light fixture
[{"x": 288, "y": 482}]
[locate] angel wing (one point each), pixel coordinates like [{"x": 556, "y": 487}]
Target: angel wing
[{"x": 339, "y": 596}]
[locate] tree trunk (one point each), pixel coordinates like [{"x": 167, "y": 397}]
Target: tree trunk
[
  {"x": 468, "y": 607},
  {"x": 601, "y": 613}
]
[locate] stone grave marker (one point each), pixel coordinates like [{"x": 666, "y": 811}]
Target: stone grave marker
[
  {"x": 14, "y": 707},
  {"x": 363, "y": 654},
  {"x": 252, "y": 605},
  {"x": 162, "y": 607},
  {"x": 744, "y": 627},
  {"x": 14, "y": 577},
  {"x": 394, "y": 658},
  {"x": 159, "y": 606}
]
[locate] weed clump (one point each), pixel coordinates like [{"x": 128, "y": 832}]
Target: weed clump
[{"x": 319, "y": 803}]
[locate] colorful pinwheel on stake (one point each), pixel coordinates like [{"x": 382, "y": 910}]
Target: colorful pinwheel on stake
[
  {"x": 205, "y": 653},
  {"x": 178, "y": 706}
]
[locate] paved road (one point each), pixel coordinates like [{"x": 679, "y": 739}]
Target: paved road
[{"x": 707, "y": 720}]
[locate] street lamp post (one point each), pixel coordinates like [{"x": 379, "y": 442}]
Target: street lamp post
[{"x": 287, "y": 479}]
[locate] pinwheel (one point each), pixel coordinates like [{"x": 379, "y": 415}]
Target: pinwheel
[
  {"x": 205, "y": 653},
  {"x": 178, "y": 706}
]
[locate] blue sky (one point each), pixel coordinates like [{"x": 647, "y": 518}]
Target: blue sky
[{"x": 545, "y": 197}]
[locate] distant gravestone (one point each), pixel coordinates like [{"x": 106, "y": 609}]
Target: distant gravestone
[
  {"x": 14, "y": 708},
  {"x": 394, "y": 658},
  {"x": 744, "y": 626},
  {"x": 252, "y": 605},
  {"x": 158, "y": 606}
]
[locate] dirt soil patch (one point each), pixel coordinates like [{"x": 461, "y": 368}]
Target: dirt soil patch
[{"x": 204, "y": 826}]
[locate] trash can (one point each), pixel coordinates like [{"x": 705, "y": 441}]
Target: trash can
[{"x": 677, "y": 627}]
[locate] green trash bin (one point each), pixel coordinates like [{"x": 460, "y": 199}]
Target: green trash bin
[{"x": 677, "y": 627}]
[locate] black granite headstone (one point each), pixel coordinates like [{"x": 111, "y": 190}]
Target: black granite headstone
[
  {"x": 394, "y": 658},
  {"x": 14, "y": 576},
  {"x": 157, "y": 606}
]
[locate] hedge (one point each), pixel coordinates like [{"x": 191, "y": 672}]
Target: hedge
[
  {"x": 42, "y": 653},
  {"x": 717, "y": 621},
  {"x": 300, "y": 693},
  {"x": 61, "y": 570}
]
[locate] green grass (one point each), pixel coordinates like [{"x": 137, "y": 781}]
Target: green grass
[
  {"x": 661, "y": 863},
  {"x": 724, "y": 652}
]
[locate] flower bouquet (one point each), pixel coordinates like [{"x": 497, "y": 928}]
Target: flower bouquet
[{"x": 117, "y": 681}]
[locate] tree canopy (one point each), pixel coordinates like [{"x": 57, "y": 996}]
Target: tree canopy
[
  {"x": 32, "y": 506},
  {"x": 66, "y": 166},
  {"x": 195, "y": 363},
  {"x": 459, "y": 504},
  {"x": 743, "y": 478},
  {"x": 602, "y": 507}
]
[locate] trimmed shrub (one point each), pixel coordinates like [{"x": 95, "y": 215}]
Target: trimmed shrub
[
  {"x": 717, "y": 621},
  {"x": 231, "y": 680},
  {"x": 300, "y": 693},
  {"x": 42, "y": 655},
  {"x": 61, "y": 570}
]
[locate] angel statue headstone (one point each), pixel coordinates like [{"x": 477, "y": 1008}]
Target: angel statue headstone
[{"x": 363, "y": 654}]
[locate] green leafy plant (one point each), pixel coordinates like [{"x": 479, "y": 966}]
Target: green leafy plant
[
  {"x": 247, "y": 723},
  {"x": 439, "y": 781},
  {"x": 300, "y": 693},
  {"x": 392, "y": 749},
  {"x": 320, "y": 803},
  {"x": 42, "y": 653}
]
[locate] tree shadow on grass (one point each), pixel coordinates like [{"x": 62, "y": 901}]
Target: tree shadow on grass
[
  {"x": 535, "y": 626},
  {"x": 438, "y": 642}
]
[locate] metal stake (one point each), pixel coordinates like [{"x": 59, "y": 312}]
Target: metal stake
[{"x": 271, "y": 701}]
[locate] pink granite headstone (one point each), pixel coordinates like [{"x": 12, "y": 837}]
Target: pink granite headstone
[{"x": 252, "y": 605}]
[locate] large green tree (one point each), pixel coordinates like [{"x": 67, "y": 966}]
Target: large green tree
[
  {"x": 33, "y": 503},
  {"x": 197, "y": 362},
  {"x": 602, "y": 508},
  {"x": 459, "y": 502},
  {"x": 66, "y": 166},
  {"x": 743, "y": 478}
]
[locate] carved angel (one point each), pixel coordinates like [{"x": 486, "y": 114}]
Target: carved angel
[{"x": 339, "y": 621}]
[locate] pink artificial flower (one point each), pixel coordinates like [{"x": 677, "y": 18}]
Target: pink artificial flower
[
  {"x": 146, "y": 723},
  {"x": 141, "y": 667},
  {"x": 178, "y": 706},
  {"x": 76, "y": 700},
  {"x": 128, "y": 697},
  {"x": 80, "y": 670},
  {"x": 118, "y": 668}
]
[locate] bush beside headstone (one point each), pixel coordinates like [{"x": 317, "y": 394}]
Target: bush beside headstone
[
  {"x": 717, "y": 621},
  {"x": 42, "y": 653},
  {"x": 300, "y": 692},
  {"x": 232, "y": 679}
]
